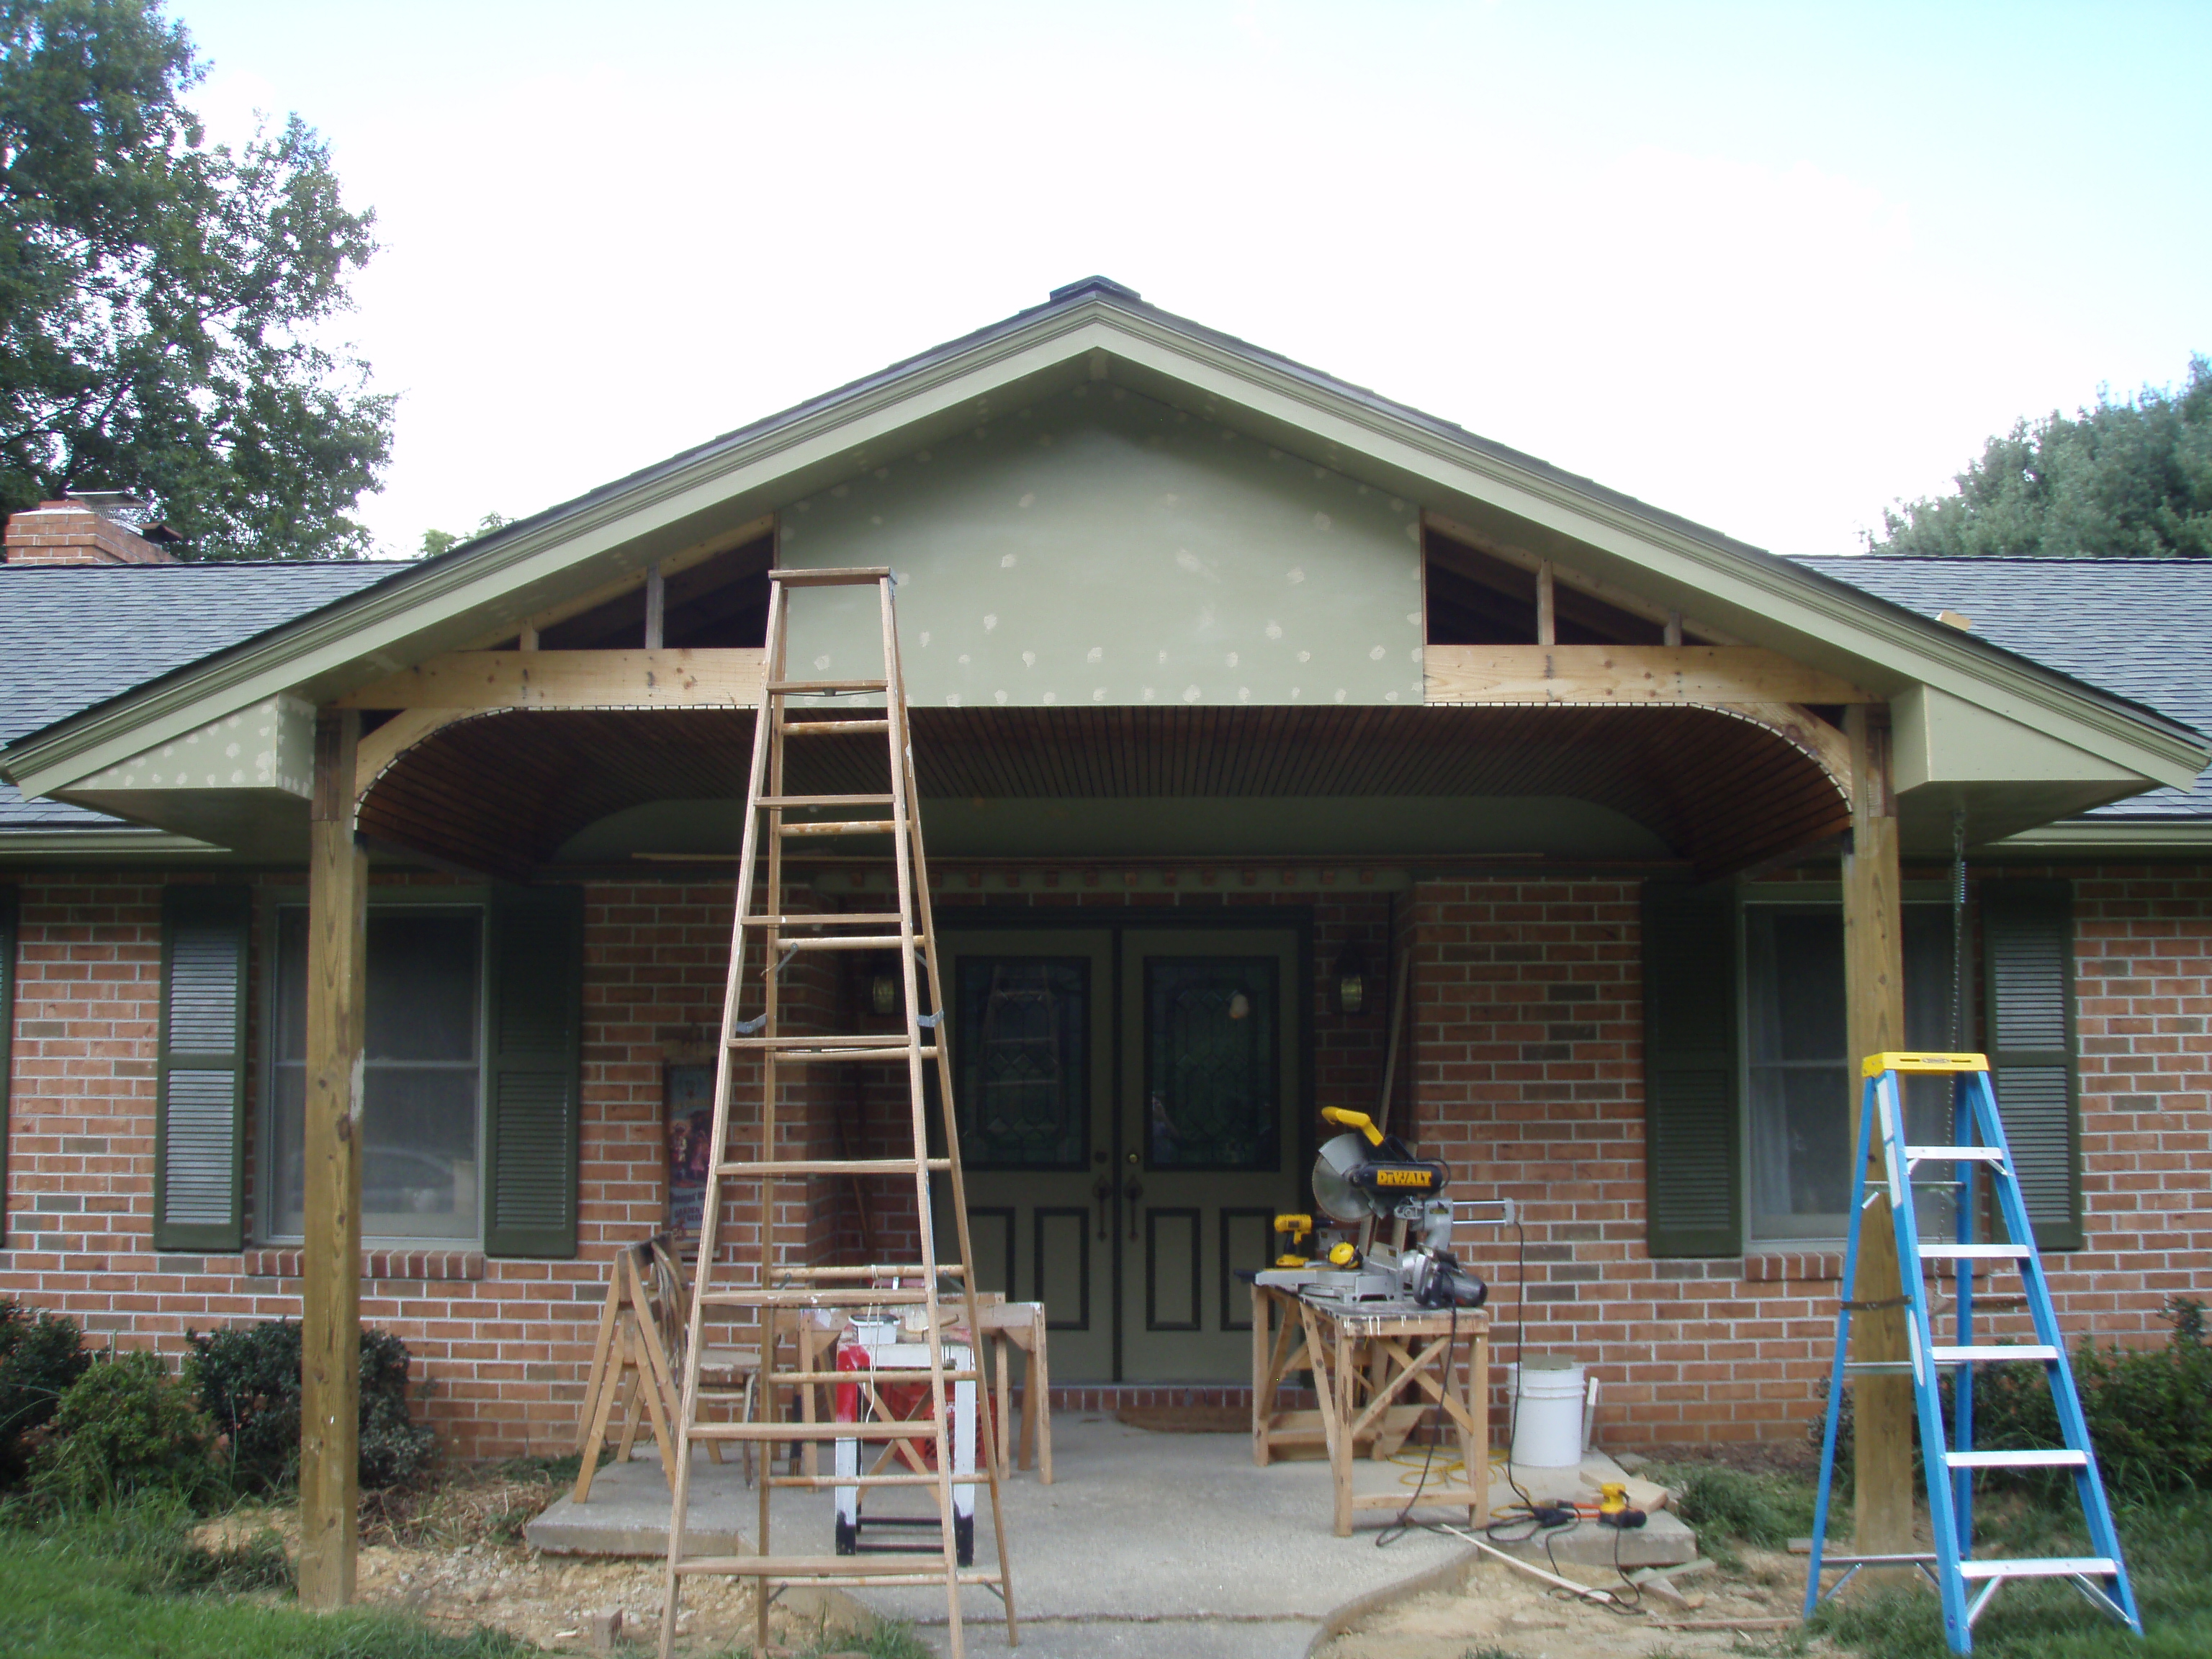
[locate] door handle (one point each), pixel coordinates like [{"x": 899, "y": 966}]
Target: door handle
[
  {"x": 1103, "y": 1194},
  {"x": 1133, "y": 1190}
]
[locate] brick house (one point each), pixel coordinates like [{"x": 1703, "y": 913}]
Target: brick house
[{"x": 1231, "y": 680}]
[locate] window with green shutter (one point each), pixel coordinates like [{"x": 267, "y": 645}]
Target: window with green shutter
[
  {"x": 199, "y": 1107},
  {"x": 1692, "y": 1133},
  {"x": 2027, "y": 955},
  {"x": 7, "y": 915},
  {"x": 534, "y": 1080}
]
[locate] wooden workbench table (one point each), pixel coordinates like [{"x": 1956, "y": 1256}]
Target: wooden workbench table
[{"x": 1378, "y": 1372}]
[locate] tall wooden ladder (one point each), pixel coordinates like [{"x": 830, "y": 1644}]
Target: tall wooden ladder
[
  {"x": 1978, "y": 1145},
  {"x": 756, "y": 1288}
]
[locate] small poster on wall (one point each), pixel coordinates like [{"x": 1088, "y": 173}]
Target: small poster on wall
[{"x": 690, "y": 1120}]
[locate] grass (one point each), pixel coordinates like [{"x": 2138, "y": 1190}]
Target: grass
[
  {"x": 2166, "y": 1540},
  {"x": 130, "y": 1581}
]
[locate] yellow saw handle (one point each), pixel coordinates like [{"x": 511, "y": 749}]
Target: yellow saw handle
[{"x": 1352, "y": 1120}]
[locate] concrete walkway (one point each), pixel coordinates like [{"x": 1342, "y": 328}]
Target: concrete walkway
[{"x": 1146, "y": 1547}]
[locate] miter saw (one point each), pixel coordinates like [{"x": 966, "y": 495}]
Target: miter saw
[{"x": 1367, "y": 1174}]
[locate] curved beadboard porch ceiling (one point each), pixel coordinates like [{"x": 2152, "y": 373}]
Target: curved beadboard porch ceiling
[
  {"x": 1280, "y": 448},
  {"x": 507, "y": 792}
]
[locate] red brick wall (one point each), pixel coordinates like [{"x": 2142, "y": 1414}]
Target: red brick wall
[{"x": 1523, "y": 1069}]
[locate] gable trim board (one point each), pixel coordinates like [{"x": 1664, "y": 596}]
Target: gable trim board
[{"x": 451, "y": 602}]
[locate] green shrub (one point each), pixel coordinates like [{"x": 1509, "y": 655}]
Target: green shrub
[
  {"x": 41, "y": 1355},
  {"x": 124, "y": 1427},
  {"x": 249, "y": 1386},
  {"x": 1766, "y": 1510},
  {"x": 2149, "y": 1410}
]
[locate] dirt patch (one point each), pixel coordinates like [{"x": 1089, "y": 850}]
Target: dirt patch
[
  {"x": 1503, "y": 1610},
  {"x": 453, "y": 1557}
]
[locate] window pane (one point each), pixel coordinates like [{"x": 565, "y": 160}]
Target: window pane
[
  {"x": 424, "y": 1077},
  {"x": 1210, "y": 1064},
  {"x": 1023, "y": 1049},
  {"x": 1800, "y": 1080}
]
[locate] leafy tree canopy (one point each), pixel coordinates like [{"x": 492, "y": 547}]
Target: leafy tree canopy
[
  {"x": 161, "y": 298},
  {"x": 435, "y": 542},
  {"x": 2130, "y": 480}
]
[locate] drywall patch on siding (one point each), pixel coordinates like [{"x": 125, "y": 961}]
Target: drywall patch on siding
[{"x": 1100, "y": 547}]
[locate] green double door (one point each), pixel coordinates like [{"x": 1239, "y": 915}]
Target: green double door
[{"x": 1130, "y": 1104}]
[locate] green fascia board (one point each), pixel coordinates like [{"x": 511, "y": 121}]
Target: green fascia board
[
  {"x": 496, "y": 580},
  {"x": 2177, "y": 835},
  {"x": 46, "y": 845}
]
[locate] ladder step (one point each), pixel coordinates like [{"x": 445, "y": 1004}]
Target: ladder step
[
  {"x": 2048, "y": 1566},
  {"x": 870, "y": 1040},
  {"x": 1981, "y": 1302},
  {"x": 1953, "y": 1155},
  {"x": 818, "y": 1566},
  {"x": 1981, "y": 1354},
  {"x": 817, "y": 687},
  {"x": 854, "y": 826},
  {"x": 832, "y": 576},
  {"x": 823, "y": 801},
  {"x": 851, "y": 942},
  {"x": 779, "y": 1378},
  {"x": 911, "y": 1428},
  {"x": 799, "y": 1166},
  {"x": 834, "y": 918},
  {"x": 2017, "y": 1460},
  {"x": 879, "y": 1270},
  {"x": 825, "y": 1056},
  {"x": 827, "y": 1482},
  {"x": 1976, "y": 1252},
  {"x": 828, "y": 1297},
  {"x": 834, "y": 728}
]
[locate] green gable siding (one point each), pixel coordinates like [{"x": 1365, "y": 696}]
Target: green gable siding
[{"x": 1099, "y": 547}]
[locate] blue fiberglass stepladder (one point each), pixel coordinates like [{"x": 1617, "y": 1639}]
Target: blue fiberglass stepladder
[{"x": 1978, "y": 1143}]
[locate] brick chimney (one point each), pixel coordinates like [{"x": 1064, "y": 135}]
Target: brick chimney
[{"x": 71, "y": 533}]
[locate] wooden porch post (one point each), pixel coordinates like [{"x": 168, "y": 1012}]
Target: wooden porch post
[
  {"x": 1874, "y": 987},
  {"x": 330, "y": 1335}
]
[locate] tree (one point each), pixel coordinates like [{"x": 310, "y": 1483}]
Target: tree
[
  {"x": 162, "y": 300},
  {"x": 2132, "y": 479},
  {"x": 435, "y": 542}
]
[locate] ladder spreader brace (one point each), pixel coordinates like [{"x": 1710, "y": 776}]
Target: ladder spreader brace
[
  {"x": 1977, "y": 1145},
  {"x": 763, "y": 1288}
]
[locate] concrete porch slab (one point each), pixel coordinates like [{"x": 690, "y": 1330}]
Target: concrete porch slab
[{"x": 1146, "y": 1546}]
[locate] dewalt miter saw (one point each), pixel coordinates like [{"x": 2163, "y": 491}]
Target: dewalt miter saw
[{"x": 1365, "y": 1175}]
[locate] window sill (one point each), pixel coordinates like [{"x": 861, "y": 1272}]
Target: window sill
[
  {"x": 286, "y": 1262},
  {"x": 1773, "y": 1266}
]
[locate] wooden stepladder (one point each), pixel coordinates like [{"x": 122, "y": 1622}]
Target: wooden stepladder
[{"x": 750, "y": 1151}]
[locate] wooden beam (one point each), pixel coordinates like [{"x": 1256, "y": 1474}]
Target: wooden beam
[
  {"x": 656, "y": 607},
  {"x": 1626, "y": 673},
  {"x": 1807, "y": 732},
  {"x": 1611, "y": 593},
  {"x": 1873, "y": 993},
  {"x": 528, "y": 640},
  {"x": 1673, "y": 626},
  {"x": 728, "y": 678},
  {"x": 329, "y": 1324},
  {"x": 1547, "y": 616},
  {"x": 379, "y": 748}
]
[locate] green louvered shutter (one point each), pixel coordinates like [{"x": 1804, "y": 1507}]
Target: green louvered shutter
[
  {"x": 1694, "y": 1203},
  {"x": 199, "y": 1110},
  {"x": 8, "y": 914},
  {"x": 537, "y": 959},
  {"x": 2027, "y": 952}
]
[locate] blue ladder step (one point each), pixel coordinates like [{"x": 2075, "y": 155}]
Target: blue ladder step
[
  {"x": 2064, "y": 1458},
  {"x": 2053, "y": 1566},
  {"x": 1994, "y": 1354},
  {"x": 1976, "y": 1252}
]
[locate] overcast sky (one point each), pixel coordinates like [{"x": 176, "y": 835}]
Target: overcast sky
[{"x": 1769, "y": 266}]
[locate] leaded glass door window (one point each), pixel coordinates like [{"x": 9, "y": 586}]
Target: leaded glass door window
[
  {"x": 1212, "y": 1070},
  {"x": 1022, "y": 1086}
]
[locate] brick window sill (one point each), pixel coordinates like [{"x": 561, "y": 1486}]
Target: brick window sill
[
  {"x": 271, "y": 1263},
  {"x": 1775, "y": 1267}
]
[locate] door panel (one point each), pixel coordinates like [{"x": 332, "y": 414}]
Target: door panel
[
  {"x": 1210, "y": 1043},
  {"x": 1032, "y": 1073}
]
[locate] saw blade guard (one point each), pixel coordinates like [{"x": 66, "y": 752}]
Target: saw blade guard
[{"x": 1333, "y": 1189}]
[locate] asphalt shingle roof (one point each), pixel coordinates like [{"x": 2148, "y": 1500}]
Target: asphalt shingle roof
[
  {"x": 74, "y": 635},
  {"x": 2139, "y": 628}
]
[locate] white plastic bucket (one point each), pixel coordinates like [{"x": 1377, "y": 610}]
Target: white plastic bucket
[{"x": 1547, "y": 1419}]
